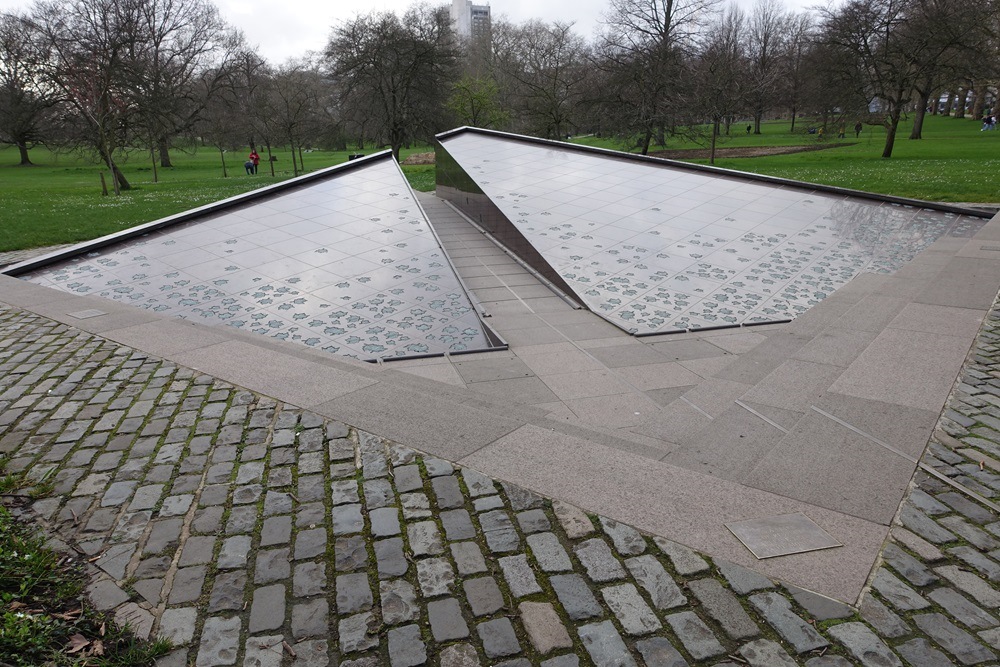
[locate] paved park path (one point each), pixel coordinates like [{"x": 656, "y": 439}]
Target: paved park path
[{"x": 251, "y": 532}]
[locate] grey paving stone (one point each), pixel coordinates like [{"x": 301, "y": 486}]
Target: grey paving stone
[
  {"x": 117, "y": 494},
  {"x": 633, "y": 613},
  {"x": 468, "y": 558},
  {"x": 477, "y": 483},
  {"x": 548, "y": 552},
  {"x": 765, "y": 653},
  {"x": 627, "y": 540},
  {"x": 777, "y": 611},
  {"x": 268, "y": 609},
  {"x": 864, "y": 645},
  {"x": 407, "y": 478},
  {"x": 425, "y": 539},
  {"x": 724, "y": 608},
  {"x": 976, "y": 537},
  {"x": 656, "y": 581},
  {"x": 742, "y": 580},
  {"x": 178, "y": 625},
  {"x": 921, "y": 653},
  {"x": 399, "y": 602},
  {"x": 435, "y": 577},
  {"x": 459, "y": 655},
  {"x": 545, "y": 631},
  {"x": 354, "y": 593},
  {"x": 389, "y": 558},
  {"x": 533, "y": 521},
  {"x": 574, "y": 521},
  {"x": 984, "y": 565},
  {"x": 501, "y": 537},
  {"x": 347, "y": 519},
  {"x": 312, "y": 653},
  {"x": 924, "y": 526},
  {"x": 575, "y": 596},
  {"x": 276, "y": 530},
  {"x": 487, "y": 503},
  {"x": 406, "y": 649},
  {"x": 457, "y": 525},
  {"x": 384, "y": 521},
  {"x": 961, "y": 609},
  {"x": 565, "y": 660},
  {"x": 310, "y": 619},
  {"x": 310, "y": 543},
  {"x": 272, "y": 565},
  {"x": 234, "y": 552},
  {"x": 227, "y": 591},
  {"x": 520, "y": 498},
  {"x": 220, "y": 642},
  {"x": 354, "y": 633},
  {"x": 309, "y": 579},
  {"x": 445, "y": 617},
  {"x": 378, "y": 493},
  {"x": 447, "y": 493},
  {"x": 605, "y": 645},
  {"x": 828, "y": 661},
  {"x": 972, "y": 584},
  {"x": 880, "y": 617},
  {"x": 696, "y": 637},
  {"x": 596, "y": 557},
  {"x": 437, "y": 467},
  {"x": 264, "y": 651},
  {"x": 146, "y": 497},
  {"x": 659, "y": 652},
  {"x": 898, "y": 594},
  {"x": 520, "y": 578},
  {"x": 820, "y": 608},
  {"x": 163, "y": 537},
  {"x": 350, "y": 553},
  {"x": 105, "y": 594},
  {"x": 414, "y": 505},
  {"x": 187, "y": 585},
  {"x": 483, "y": 595},
  {"x": 952, "y": 639},
  {"x": 966, "y": 507},
  {"x": 926, "y": 503},
  {"x": 498, "y": 638},
  {"x": 907, "y": 566}
]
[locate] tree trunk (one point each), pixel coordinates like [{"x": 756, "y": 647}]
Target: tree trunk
[
  {"x": 715, "y": 133},
  {"x": 792, "y": 129},
  {"x": 890, "y": 130},
  {"x": 270, "y": 158},
  {"x": 302, "y": 162},
  {"x": 935, "y": 96},
  {"x": 646, "y": 139},
  {"x": 963, "y": 102},
  {"x": 120, "y": 180},
  {"x": 757, "y": 117},
  {"x": 22, "y": 148},
  {"x": 918, "y": 119},
  {"x": 979, "y": 103},
  {"x": 222, "y": 154},
  {"x": 949, "y": 104},
  {"x": 152, "y": 156},
  {"x": 295, "y": 162},
  {"x": 164, "y": 153}
]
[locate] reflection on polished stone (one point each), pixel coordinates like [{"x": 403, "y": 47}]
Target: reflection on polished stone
[
  {"x": 346, "y": 264},
  {"x": 655, "y": 248}
]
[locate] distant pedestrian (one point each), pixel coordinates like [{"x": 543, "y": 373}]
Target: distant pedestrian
[
  {"x": 749, "y": 128},
  {"x": 857, "y": 129},
  {"x": 840, "y": 131},
  {"x": 248, "y": 165},
  {"x": 254, "y": 159},
  {"x": 820, "y": 133}
]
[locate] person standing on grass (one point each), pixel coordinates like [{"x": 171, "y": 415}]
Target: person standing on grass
[
  {"x": 857, "y": 129},
  {"x": 255, "y": 159}
]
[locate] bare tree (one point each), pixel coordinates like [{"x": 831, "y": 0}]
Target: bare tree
[
  {"x": 398, "y": 70},
  {"x": 643, "y": 55},
  {"x": 26, "y": 103},
  {"x": 721, "y": 72},
  {"x": 296, "y": 89},
  {"x": 543, "y": 68},
  {"x": 768, "y": 39}
]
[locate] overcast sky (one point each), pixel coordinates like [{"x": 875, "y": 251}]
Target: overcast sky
[{"x": 288, "y": 29}]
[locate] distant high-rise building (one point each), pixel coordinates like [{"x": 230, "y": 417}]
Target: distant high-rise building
[{"x": 471, "y": 21}]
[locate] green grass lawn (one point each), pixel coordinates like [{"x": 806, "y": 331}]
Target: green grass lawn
[
  {"x": 954, "y": 162},
  {"x": 60, "y": 201}
]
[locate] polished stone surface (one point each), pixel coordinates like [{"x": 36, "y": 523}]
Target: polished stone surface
[{"x": 655, "y": 248}]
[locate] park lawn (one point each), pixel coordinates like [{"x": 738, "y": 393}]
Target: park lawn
[
  {"x": 59, "y": 200},
  {"x": 954, "y": 162}
]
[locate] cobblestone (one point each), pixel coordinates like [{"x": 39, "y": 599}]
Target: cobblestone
[{"x": 183, "y": 485}]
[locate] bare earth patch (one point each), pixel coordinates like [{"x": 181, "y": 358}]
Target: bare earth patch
[
  {"x": 748, "y": 151},
  {"x": 420, "y": 158}
]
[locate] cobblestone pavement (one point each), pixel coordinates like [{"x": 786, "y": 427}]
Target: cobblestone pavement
[
  {"x": 251, "y": 532},
  {"x": 15, "y": 256}
]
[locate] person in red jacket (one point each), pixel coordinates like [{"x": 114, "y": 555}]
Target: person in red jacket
[{"x": 255, "y": 159}]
